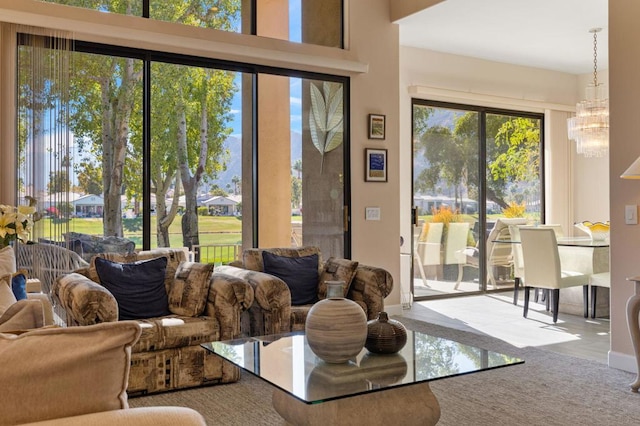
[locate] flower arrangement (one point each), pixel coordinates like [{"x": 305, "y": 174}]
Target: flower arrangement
[{"x": 15, "y": 223}]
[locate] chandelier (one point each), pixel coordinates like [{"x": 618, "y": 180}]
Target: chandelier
[{"x": 590, "y": 127}]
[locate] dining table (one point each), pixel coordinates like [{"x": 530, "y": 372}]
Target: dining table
[{"x": 587, "y": 256}]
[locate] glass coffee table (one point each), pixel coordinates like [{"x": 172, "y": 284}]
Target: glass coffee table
[{"x": 370, "y": 389}]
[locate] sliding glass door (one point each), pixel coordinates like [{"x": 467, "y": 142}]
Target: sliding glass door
[{"x": 471, "y": 166}]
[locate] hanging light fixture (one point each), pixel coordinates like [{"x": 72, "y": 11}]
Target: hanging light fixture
[{"x": 590, "y": 127}]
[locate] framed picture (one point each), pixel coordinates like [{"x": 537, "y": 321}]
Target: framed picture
[
  {"x": 375, "y": 165},
  {"x": 376, "y": 126}
]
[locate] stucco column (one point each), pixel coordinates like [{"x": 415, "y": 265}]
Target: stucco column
[{"x": 274, "y": 137}]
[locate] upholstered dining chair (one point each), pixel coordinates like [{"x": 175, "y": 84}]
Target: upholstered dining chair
[
  {"x": 543, "y": 268},
  {"x": 602, "y": 279},
  {"x": 518, "y": 262}
]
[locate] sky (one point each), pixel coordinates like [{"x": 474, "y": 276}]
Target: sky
[{"x": 295, "y": 84}]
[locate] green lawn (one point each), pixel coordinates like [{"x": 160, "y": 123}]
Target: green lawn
[{"x": 225, "y": 230}]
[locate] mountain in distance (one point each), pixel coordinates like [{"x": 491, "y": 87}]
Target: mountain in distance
[{"x": 233, "y": 144}]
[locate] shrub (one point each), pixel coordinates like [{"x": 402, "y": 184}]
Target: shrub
[
  {"x": 514, "y": 210},
  {"x": 445, "y": 215}
]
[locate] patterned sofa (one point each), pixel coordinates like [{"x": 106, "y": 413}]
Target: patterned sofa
[
  {"x": 205, "y": 306},
  {"x": 272, "y": 311}
]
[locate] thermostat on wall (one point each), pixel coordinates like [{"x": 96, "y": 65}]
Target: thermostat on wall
[{"x": 372, "y": 213}]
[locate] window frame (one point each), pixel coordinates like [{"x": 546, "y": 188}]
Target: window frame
[{"x": 149, "y": 56}]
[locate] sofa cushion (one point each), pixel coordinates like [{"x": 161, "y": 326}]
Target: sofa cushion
[
  {"x": 23, "y": 315},
  {"x": 337, "y": 270},
  {"x": 137, "y": 287},
  {"x": 7, "y": 261},
  {"x": 174, "y": 257},
  {"x": 188, "y": 293},
  {"x": 88, "y": 246},
  {"x": 299, "y": 273},
  {"x": 252, "y": 258},
  {"x": 19, "y": 284},
  {"x": 175, "y": 331},
  {"x": 62, "y": 372}
]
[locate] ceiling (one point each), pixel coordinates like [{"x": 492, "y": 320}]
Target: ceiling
[{"x": 547, "y": 34}]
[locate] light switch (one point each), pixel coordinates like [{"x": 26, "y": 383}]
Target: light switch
[
  {"x": 631, "y": 215},
  {"x": 372, "y": 213}
]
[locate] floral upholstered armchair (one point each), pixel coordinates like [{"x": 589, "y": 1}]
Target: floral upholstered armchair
[
  {"x": 178, "y": 304},
  {"x": 288, "y": 281}
]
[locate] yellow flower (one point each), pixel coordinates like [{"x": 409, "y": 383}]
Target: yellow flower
[
  {"x": 5, "y": 229},
  {"x": 15, "y": 223},
  {"x": 26, "y": 210}
]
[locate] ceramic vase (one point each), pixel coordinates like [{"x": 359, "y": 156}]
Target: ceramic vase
[
  {"x": 336, "y": 328},
  {"x": 385, "y": 336}
]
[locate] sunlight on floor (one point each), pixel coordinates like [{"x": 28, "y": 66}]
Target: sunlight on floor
[{"x": 495, "y": 315}]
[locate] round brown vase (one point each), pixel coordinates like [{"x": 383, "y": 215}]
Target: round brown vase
[
  {"x": 384, "y": 335},
  {"x": 336, "y": 329}
]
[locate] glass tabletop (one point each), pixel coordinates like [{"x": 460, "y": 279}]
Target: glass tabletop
[
  {"x": 565, "y": 241},
  {"x": 287, "y": 362}
]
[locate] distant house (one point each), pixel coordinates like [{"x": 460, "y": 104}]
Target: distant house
[
  {"x": 221, "y": 206},
  {"x": 90, "y": 205}
]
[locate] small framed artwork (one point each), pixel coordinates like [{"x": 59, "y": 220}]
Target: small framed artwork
[
  {"x": 376, "y": 126},
  {"x": 375, "y": 165}
]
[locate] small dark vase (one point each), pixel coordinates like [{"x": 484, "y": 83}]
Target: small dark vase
[{"x": 385, "y": 336}]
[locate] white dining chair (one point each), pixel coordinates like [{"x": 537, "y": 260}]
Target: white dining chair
[
  {"x": 543, "y": 268},
  {"x": 518, "y": 261},
  {"x": 602, "y": 279}
]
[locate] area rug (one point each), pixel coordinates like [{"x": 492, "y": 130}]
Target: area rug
[{"x": 548, "y": 389}]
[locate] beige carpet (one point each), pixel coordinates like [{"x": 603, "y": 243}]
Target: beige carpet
[{"x": 549, "y": 389}]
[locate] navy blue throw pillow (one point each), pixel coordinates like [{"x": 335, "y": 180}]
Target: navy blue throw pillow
[
  {"x": 19, "y": 286},
  {"x": 299, "y": 273},
  {"x": 138, "y": 287}
]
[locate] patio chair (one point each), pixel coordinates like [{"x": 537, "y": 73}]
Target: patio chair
[
  {"x": 499, "y": 250},
  {"x": 47, "y": 262},
  {"x": 499, "y": 253},
  {"x": 427, "y": 251}
]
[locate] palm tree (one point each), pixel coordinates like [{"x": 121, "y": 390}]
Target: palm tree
[{"x": 297, "y": 166}]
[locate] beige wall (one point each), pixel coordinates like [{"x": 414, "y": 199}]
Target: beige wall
[
  {"x": 624, "y": 92},
  {"x": 375, "y": 40}
]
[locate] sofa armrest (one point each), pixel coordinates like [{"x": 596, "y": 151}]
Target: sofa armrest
[
  {"x": 85, "y": 302},
  {"x": 141, "y": 416},
  {"x": 46, "y": 306},
  {"x": 228, "y": 297},
  {"x": 369, "y": 288},
  {"x": 270, "y": 313}
]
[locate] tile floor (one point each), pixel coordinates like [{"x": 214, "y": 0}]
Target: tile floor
[{"x": 495, "y": 315}]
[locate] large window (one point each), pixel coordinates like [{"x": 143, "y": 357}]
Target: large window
[
  {"x": 471, "y": 166},
  {"x": 174, "y": 151},
  {"x": 307, "y": 21}
]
